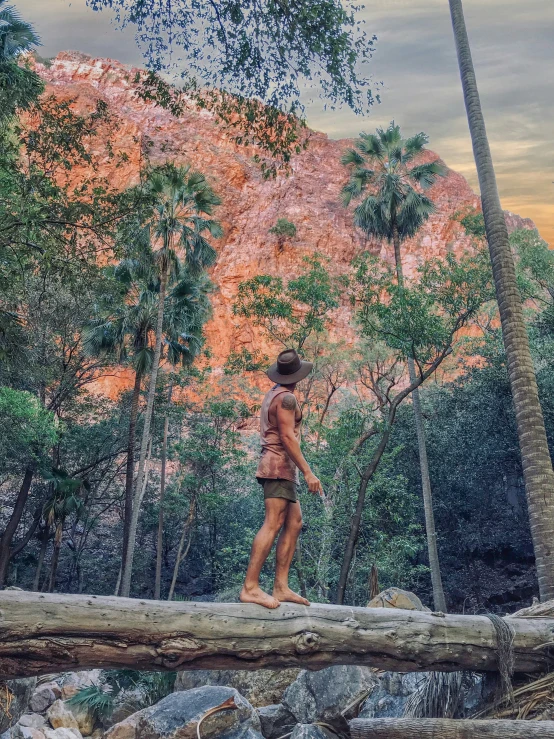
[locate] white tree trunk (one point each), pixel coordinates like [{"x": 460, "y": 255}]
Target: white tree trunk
[
  {"x": 444, "y": 728},
  {"x": 44, "y": 633}
]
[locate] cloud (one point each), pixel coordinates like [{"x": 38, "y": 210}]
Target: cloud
[{"x": 416, "y": 61}]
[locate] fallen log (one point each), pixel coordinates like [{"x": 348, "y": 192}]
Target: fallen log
[
  {"x": 443, "y": 728},
  {"x": 44, "y": 633}
]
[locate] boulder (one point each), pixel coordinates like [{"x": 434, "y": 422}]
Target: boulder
[
  {"x": 259, "y": 687},
  {"x": 391, "y": 694},
  {"x": 275, "y": 720},
  {"x": 127, "y": 703},
  {"x": 126, "y": 729},
  {"x": 330, "y": 695},
  {"x": 62, "y": 733},
  {"x": 6, "y": 734},
  {"x": 27, "y": 732},
  {"x": 61, "y": 717},
  {"x": 72, "y": 682},
  {"x": 42, "y": 698},
  {"x": 84, "y": 718},
  {"x": 17, "y": 694},
  {"x": 32, "y": 720},
  {"x": 177, "y": 715},
  {"x": 311, "y": 731},
  {"x": 53, "y": 686},
  {"x": 397, "y": 598}
]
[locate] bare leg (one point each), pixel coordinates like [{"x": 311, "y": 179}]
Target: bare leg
[
  {"x": 285, "y": 552},
  {"x": 275, "y": 515}
]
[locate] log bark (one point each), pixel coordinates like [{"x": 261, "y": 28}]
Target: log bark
[
  {"x": 44, "y": 633},
  {"x": 443, "y": 728}
]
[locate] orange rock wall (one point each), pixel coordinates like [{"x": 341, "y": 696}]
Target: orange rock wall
[{"x": 308, "y": 196}]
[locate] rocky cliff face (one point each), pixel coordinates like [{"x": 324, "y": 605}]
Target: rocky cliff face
[{"x": 308, "y": 196}]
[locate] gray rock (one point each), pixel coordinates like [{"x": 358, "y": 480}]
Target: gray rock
[
  {"x": 6, "y": 735},
  {"x": 42, "y": 698},
  {"x": 21, "y": 692},
  {"x": 26, "y": 732},
  {"x": 330, "y": 695},
  {"x": 126, "y": 729},
  {"x": 391, "y": 694},
  {"x": 259, "y": 687},
  {"x": 176, "y": 716},
  {"x": 310, "y": 731},
  {"x": 275, "y": 720},
  {"x": 62, "y": 733},
  {"x": 32, "y": 720}
]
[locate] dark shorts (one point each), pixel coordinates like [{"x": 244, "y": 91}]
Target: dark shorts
[{"x": 279, "y": 489}]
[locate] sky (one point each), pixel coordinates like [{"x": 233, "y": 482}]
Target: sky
[{"x": 415, "y": 72}]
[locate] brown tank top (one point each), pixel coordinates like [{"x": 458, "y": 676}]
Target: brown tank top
[{"x": 275, "y": 463}]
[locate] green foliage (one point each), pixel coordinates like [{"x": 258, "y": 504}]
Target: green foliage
[
  {"x": 283, "y": 229},
  {"x": 95, "y": 699},
  {"x": 19, "y": 85},
  {"x": 421, "y": 318},
  {"x": 100, "y": 700},
  {"x": 291, "y": 313},
  {"x": 29, "y": 430},
  {"x": 383, "y": 163},
  {"x": 266, "y": 51}
]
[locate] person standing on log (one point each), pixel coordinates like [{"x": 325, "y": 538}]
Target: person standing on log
[{"x": 280, "y": 421}]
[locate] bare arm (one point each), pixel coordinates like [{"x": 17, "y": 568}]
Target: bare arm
[{"x": 286, "y": 410}]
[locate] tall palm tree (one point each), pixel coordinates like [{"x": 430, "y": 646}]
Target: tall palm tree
[
  {"x": 198, "y": 292},
  {"x": 395, "y": 209},
  {"x": 177, "y": 230},
  {"x": 124, "y": 333},
  {"x": 537, "y": 464},
  {"x": 127, "y": 333},
  {"x": 18, "y": 86}
]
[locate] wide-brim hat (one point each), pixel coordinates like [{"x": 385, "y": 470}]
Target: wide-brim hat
[{"x": 289, "y": 368}]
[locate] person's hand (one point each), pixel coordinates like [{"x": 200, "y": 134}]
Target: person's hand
[{"x": 314, "y": 485}]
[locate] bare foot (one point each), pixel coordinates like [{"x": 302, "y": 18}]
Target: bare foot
[
  {"x": 257, "y": 595},
  {"x": 286, "y": 595}
]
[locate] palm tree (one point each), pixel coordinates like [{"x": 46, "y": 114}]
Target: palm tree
[
  {"x": 63, "y": 501},
  {"x": 537, "y": 464},
  {"x": 19, "y": 86},
  {"x": 182, "y": 198},
  {"x": 127, "y": 333},
  {"x": 197, "y": 293},
  {"x": 395, "y": 210}
]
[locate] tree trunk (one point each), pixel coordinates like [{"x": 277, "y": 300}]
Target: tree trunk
[
  {"x": 439, "y": 600},
  {"x": 130, "y": 469},
  {"x": 128, "y": 565},
  {"x": 44, "y": 538},
  {"x": 535, "y": 456},
  {"x": 443, "y": 728},
  {"x": 370, "y": 471},
  {"x": 159, "y": 546},
  {"x": 13, "y": 523},
  {"x": 356, "y": 521},
  {"x": 300, "y": 569},
  {"x": 55, "y": 558},
  {"x": 180, "y": 554},
  {"x": 45, "y": 633}
]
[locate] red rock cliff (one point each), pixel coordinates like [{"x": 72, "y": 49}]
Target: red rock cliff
[{"x": 308, "y": 196}]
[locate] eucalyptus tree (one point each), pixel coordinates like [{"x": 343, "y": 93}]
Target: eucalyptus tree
[
  {"x": 177, "y": 230},
  {"x": 385, "y": 175},
  {"x": 535, "y": 455}
]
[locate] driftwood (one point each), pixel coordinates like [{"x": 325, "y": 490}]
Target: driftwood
[
  {"x": 444, "y": 728},
  {"x": 44, "y": 633}
]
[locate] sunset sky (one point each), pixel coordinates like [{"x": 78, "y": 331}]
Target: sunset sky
[{"x": 415, "y": 59}]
